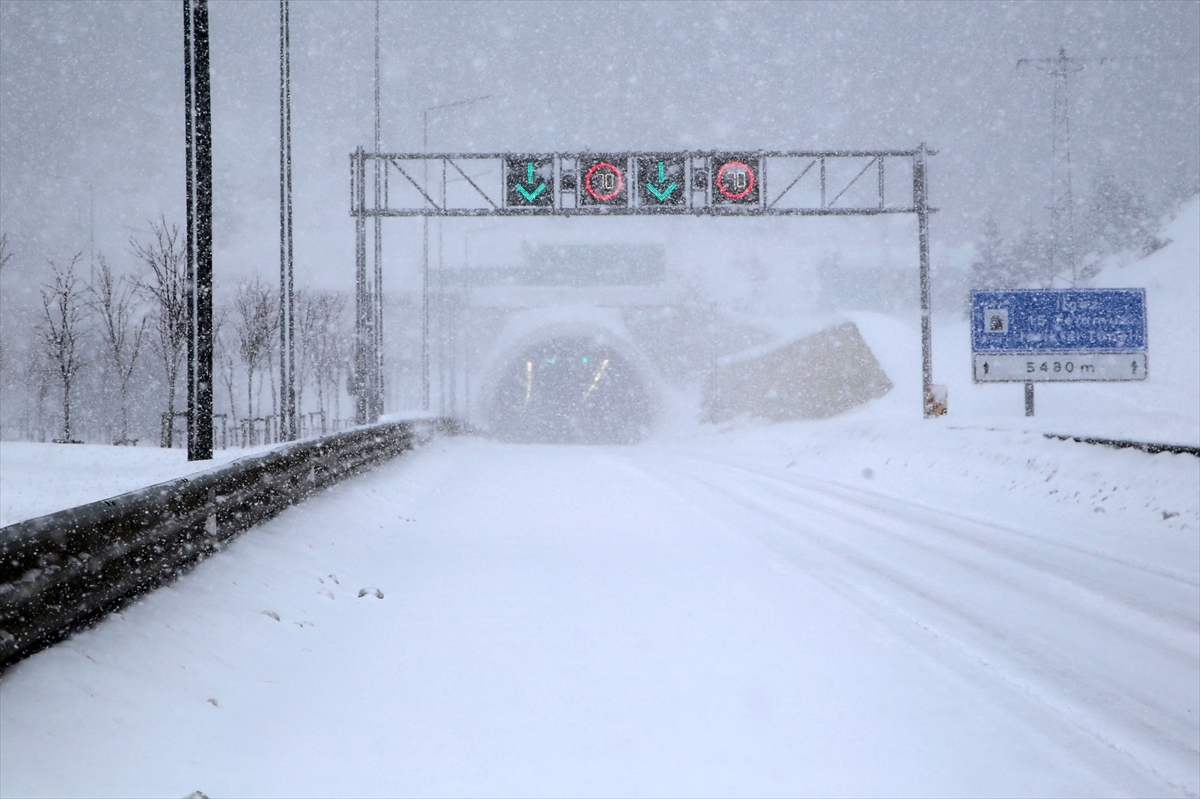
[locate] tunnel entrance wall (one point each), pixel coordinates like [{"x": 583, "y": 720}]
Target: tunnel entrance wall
[{"x": 810, "y": 378}]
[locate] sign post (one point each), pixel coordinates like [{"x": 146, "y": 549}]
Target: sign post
[{"x": 1058, "y": 336}]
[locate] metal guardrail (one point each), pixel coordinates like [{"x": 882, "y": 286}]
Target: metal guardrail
[
  {"x": 62, "y": 571},
  {"x": 1144, "y": 446}
]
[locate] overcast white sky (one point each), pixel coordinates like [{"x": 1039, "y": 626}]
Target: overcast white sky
[{"x": 91, "y": 94}]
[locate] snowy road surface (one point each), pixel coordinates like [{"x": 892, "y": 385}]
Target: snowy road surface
[{"x": 815, "y": 610}]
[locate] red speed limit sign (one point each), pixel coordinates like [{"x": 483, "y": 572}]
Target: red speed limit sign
[
  {"x": 604, "y": 181},
  {"x": 736, "y": 180}
]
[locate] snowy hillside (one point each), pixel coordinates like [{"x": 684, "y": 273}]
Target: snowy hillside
[{"x": 1163, "y": 408}]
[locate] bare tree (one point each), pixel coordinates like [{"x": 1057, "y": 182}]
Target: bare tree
[
  {"x": 255, "y": 321},
  {"x": 62, "y": 331},
  {"x": 164, "y": 255},
  {"x": 5, "y": 256},
  {"x": 5, "y": 251},
  {"x": 317, "y": 314},
  {"x": 224, "y": 357},
  {"x": 113, "y": 300},
  {"x": 326, "y": 346},
  {"x": 37, "y": 378},
  {"x": 306, "y": 302}
]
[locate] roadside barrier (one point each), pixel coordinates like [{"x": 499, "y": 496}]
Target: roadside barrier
[
  {"x": 1144, "y": 446},
  {"x": 63, "y": 571}
]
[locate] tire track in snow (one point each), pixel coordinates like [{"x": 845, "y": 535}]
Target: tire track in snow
[
  {"x": 1173, "y": 621},
  {"x": 1033, "y": 618}
]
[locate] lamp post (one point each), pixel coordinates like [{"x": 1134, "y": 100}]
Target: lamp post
[
  {"x": 287, "y": 301},
  {"x": 425, "y": 245},
  {"x": 198, "y": 158}
]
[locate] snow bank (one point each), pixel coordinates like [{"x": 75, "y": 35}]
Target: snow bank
[{"x": 36, "y": 479}]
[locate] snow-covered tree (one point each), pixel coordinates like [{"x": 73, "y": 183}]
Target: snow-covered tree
[
  {"x": 1030, "y": 256},
  {"x": 994, "y": 267},
  {"x": 1117, "y": 219}
]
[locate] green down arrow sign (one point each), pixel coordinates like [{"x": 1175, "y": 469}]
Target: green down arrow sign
[
  {"x": 529, "y": 181},
  {"x": 530, "y": 196},
  {"x": 661, "y": 177},
  {"x": 661, "y": 193}
]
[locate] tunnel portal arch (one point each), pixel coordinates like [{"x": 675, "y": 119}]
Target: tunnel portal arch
[{"x": 581, "y": 384}]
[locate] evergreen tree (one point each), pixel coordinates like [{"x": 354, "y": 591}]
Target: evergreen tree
[
  {"x": 1116, "y": 219},
  {"x": 1000, "y": 267},
  {"x": 989, "y": 269},
  {"x": 1030, "y": 259}
]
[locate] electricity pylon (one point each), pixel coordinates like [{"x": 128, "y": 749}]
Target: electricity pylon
[{"x": 1062, "y": 204}]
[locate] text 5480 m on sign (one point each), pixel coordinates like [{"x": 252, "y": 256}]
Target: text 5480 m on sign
[{"x": 1068, "y": 367}]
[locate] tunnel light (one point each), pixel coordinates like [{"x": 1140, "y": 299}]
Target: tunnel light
[
  {"x": 568, "y": 407},
  {"x": 596, "y": 379}
]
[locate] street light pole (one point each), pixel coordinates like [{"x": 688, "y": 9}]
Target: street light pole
[
  {"x": 287, "y": 305},
  {"x": 198, "y": 157},
  {"x": 425, "y": 246},
  {"x": 377, "y": 403}
]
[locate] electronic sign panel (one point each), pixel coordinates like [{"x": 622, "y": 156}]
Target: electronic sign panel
[
  {"x": 603, "y": 180},
  {"x": 660, "y": 180},
  {"x": 529, "y": 182},
  {"x": 735, "y": 179}
]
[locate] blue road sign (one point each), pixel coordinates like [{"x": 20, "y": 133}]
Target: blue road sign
[{"x": 1058, "y": 321}]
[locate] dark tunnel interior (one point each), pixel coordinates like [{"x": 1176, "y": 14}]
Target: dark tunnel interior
[{"x": 570, "y": 391}]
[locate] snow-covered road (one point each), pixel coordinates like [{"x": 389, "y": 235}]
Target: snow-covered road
[{"x": 826, "y": 610}]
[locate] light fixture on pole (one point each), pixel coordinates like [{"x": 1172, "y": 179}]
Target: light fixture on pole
[{"x": 425, "y": 247}]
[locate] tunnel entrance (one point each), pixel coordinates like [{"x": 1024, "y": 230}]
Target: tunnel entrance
[{"x": 570, "y": 391}]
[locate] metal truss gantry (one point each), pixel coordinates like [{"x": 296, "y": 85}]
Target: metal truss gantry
[{"x": 735, "y": 183}]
